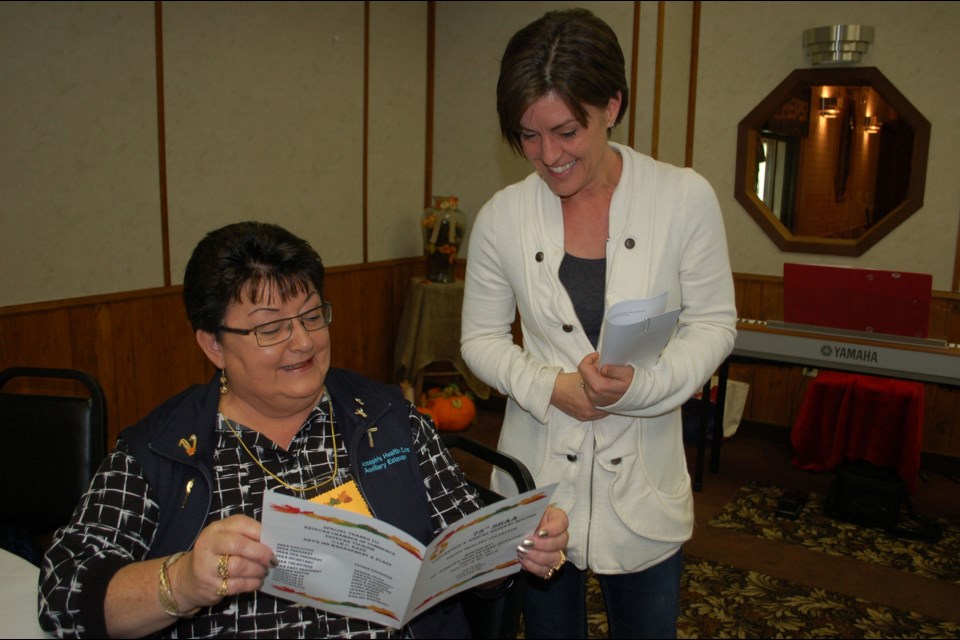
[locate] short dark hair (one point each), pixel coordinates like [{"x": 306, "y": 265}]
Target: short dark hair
[
  {"x": 244, "y": 259},
  {"x": 571, "y": 53}
]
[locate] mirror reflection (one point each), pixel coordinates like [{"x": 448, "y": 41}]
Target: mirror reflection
[
  {"x": 832, "y": 160},
  {"x": 831, "y": 166}
]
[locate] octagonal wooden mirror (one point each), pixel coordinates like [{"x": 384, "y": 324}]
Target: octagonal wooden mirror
[{"x": 832, "y": 160}]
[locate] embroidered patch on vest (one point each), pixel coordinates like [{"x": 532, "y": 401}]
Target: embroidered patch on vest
[{"x": 384, "y": 460}]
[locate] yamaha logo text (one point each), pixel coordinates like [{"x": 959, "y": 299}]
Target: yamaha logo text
[{"x": 848, "y": 354}]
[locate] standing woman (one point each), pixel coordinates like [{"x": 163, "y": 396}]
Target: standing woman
[{"x": 595, "y": 224}]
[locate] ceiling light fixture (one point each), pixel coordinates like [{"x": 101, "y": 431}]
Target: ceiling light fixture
[{"x": 837, "y": 43}]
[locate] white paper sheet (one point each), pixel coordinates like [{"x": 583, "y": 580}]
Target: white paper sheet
[{"x": 636, "y": 331}]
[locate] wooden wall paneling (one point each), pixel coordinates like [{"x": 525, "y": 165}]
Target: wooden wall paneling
[
  {"x": 772, "y": 389},
  {"x": 86, "y": 337},
  {"x": 139, "y": 345},
  {"x": 41, "y": 339},
  {"x": 758, "y": 297},
  {"x": 367, "y": 303},
  {"x": 939, "y": 309},
  {"x": 402, "y": 278},
  {"x": 138, "y": 370},
  {"x": 742, "y": 300},
  {"x": 941, "y": 431},
  {"x": 91, "y": 348},
  {"x": 945, "y": 316},
  {"x": 933, "y": 430},
  {"x": 745, "y": 373},
  {"x": 357, "y": 312},
  {"x": 155, "y": 355},
  {"x": 748, "y": 298},
  {"x": 953, "y": 321},
  {"x": 771, "y": 300},
  {"x": 380, "y": 327},
  {"x": 69, "y": 337},
  {"x": 59, "y": 338},
  {"x": 101, "y": 358},
  {"x": 947, "y": 308}
]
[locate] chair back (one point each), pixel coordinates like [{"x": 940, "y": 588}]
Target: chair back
[
  {"x": 53, "y": 445},
  {"x": 497, "y": 616}
]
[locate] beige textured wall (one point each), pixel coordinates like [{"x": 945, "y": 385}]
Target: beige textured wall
[
  {"x": 675, "y": 89},
  {"x": 263, "y": 104},
  {"x": 747, "y": 48},
  {"x": 264, "y": 115},
  {"x": 397, "y": 113},
  {"x": 79, "y": 193},
  {"x": 264, "y": 107}
]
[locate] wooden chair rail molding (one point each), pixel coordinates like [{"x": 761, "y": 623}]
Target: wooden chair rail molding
[{"x": 140, "y": 346}]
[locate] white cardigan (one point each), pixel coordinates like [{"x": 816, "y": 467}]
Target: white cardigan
[{"x": 622, "y": 480}]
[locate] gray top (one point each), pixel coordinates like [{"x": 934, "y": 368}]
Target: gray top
[{"x": 584, "y": 280}]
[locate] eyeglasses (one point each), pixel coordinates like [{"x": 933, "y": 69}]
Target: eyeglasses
[{"x": 277, "y": 331}]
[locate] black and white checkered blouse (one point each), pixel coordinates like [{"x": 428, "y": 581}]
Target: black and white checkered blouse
[{"x": 117, "y": 517}]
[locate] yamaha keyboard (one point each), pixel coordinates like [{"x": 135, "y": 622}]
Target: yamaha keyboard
[
  {"x": 920, "y": 359},
  {"x": 905, "y": 358}
]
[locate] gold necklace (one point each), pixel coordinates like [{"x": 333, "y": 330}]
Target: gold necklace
[{"x": 333, "y": 437}]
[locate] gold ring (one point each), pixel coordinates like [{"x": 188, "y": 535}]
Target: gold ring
[
  {"x": 222, "y": 589},
  {"x": 222, "y": 566},
  {"x": 582, "y": 384},
  {"x": 562, "y": 561}
]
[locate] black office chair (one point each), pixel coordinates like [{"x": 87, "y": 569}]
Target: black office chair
[
  {"x": 52, "y": 446},
  {"x": 497, "y": 614}
]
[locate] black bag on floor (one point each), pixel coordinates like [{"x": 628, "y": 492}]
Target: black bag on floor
[{"x": 872, "y": 496}]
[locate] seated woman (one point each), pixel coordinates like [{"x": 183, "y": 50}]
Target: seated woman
[{"x": 166, "y": 541}]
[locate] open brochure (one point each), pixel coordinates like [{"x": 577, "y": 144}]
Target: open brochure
[
  {"x": 353, "y": 565},
  {"x": 636, "y": 331}
]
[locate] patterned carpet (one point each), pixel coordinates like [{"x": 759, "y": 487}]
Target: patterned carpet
[
  {"x": 753, "y": 511},
  {"x": 722, "y": 601}
]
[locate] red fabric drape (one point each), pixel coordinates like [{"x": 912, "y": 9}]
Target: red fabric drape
[{"x": 860, "y": 417}]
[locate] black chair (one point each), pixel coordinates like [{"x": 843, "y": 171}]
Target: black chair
[
  {"x": 495, "y": 614},
  {"x": 52, "y": 446}
]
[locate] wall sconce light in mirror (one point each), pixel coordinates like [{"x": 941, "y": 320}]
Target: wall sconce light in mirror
[
  {"x": 837, "y": 43},
  {"x": 872, "y": 124},
  {"x": 830, "y": 106}
]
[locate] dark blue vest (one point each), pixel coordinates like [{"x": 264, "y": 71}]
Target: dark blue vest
[{"x": 387, "y": 471}]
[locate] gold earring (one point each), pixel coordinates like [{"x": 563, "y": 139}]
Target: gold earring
[{"x": 223, "y": 382}]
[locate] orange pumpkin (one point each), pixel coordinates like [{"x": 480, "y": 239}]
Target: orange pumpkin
[
  {"x": 452, "y": 410},
  {"x": 427, "y": 412}
]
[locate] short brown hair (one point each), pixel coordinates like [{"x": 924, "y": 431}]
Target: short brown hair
[
  {"x": 241, "y": 259},
  {"x": 573, "y": 54}
]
